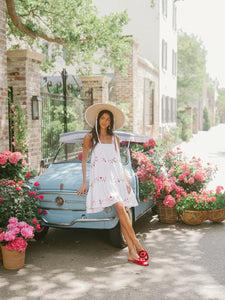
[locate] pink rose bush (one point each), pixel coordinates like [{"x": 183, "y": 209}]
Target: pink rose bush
[
  {"x": 21, "y": 203},
  {"x": 16, "y": 235},
  {"x": 191, "y": 175},
  {"x": 12, "y": 165},
  {"x": 147, "y": 166}
]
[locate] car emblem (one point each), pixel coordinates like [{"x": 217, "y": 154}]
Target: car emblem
[{"x": 59, "y": 201}]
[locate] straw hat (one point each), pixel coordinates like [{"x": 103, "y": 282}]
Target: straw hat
[{"x": 92, "y": 112}]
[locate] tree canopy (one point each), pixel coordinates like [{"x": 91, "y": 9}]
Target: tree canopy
[
  {"x": 73, "y": 26},
  {"x": 191, "y": 69}
]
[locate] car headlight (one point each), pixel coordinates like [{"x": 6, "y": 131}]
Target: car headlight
[{"x": 59, "y": 201}]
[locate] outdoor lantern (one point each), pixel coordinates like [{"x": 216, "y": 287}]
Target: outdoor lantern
[{"x": 35, "y": 107}]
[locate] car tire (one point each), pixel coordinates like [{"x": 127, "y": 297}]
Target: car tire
[
  {"x": 115, "y": 235},
  {"x": 39, "y": 235}
]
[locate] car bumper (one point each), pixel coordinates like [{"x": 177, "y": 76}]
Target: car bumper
[{"x": 79, "y": 219}]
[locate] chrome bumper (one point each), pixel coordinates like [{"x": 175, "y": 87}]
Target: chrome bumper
[{"x": 77, "y": 220}]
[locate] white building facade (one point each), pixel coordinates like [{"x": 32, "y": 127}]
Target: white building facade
[{"x": 154, "y": 29}]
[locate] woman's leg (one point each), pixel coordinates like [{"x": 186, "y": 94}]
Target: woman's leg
[{"x": 126, "y": 226}]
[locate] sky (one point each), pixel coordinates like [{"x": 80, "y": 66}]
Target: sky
[{"x": 206, "y": 19}]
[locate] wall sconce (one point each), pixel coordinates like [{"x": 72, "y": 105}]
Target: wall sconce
[{"x": 35, "y": 107}]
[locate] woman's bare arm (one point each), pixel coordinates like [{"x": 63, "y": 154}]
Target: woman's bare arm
[{"x": 86, "y": 146}]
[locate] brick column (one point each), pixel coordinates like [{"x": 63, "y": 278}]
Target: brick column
[
  {"x": 4, "y": 124},
  {"x": 24, "y": 78},
  {"x": 100, "y": 90}
]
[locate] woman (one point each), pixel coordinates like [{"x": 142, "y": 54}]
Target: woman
[{"x": 108, "y": 184}]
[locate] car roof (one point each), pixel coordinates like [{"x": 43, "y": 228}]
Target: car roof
[{"x": 78, "y": 136}]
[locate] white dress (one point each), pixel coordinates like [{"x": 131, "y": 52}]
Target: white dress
[{"x": 107, "y": 182}]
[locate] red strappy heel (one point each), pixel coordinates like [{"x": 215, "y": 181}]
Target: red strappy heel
[
  {"x": 139, "y": 261},
  {"x": 143, "y": 254}
]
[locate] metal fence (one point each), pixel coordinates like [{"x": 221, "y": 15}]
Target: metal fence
[{"x": 63, "y": 105}]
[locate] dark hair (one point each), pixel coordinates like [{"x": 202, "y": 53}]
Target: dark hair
[{"x": 94, "y": 137}]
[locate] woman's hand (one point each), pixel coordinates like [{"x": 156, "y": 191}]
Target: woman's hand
[{"x": 82, "y": 190}]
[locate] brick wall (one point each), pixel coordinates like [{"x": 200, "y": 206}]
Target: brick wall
[
  {"x": 4, "y": 136},
  {"x": 129, "y": 93},
  {"x": 24, "y": 76}
]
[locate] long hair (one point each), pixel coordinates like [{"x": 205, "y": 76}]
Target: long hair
[{"x": 94, "y": 138}]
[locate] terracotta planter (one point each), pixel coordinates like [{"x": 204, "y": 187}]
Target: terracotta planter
[
  {"x": 12, "y": 260},
  {"x": 192, "y": 217},
  {"x": 0, "y": 254},
  {"x": 166, "y": 214},
  {"x": 216, "y": 215}
]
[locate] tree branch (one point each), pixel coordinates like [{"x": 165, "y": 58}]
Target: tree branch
[{"x": 33, "y": 34}]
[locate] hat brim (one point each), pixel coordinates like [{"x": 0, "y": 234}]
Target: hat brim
[{"x": 92, "y": 112}]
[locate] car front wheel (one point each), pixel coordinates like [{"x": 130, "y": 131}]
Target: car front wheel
[
  {"x": 115, "y": 235},
  {"x": 41, "y": 233}
]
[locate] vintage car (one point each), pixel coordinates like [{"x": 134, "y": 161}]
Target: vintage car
[{"x": 63, "y": 178}]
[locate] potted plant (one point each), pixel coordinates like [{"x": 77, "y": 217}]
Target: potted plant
[
  {"x": 194, "y": 208},
  {"x": 13, "y": 242}
]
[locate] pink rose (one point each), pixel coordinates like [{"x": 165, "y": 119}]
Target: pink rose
[
  {"x": 10, "y": 236},
  {"x": 19, "y": 244},
  {"x": 3, "y": 159},
  {"x": 40, "y": 210},
  {"x": 219, "y": 188},
  {"x": 0, "y": 199},
  {"x": 169, "y": 201},
  {"x": 36, "y": 184},
  {"x": 27, "y": 232},
  {"x": 22, "y": 225},
  {"x": 14, "y": 157},
  {"x": 41, "y": 197},
  {"x": 34, "y": 221},
  {"x": 145, "y": 145},
  {"x": 7, "y": 153},
  {"x": 2, "y": 235},
  {"x": 38, "y": 227},
  {"x": 151, "y": 151},
  {"x": 151, "y": 143},
  {"x": 23, "y": 106},
  {"x": 13, "y": 220},
  {"x": 80, "y": 155},
  {"x": 181, "y": 177},
  {"x": 28, "y": 175},
  {"x": 23, "y": 162},
  {"x": 199, "y": 176},
  {"x": 18, "y": 188},
  {"x": 191, "y": 180}
]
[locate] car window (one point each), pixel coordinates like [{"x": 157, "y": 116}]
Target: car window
[{"x": 72, "y": 152}]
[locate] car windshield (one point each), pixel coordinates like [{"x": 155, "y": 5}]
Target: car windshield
[{"x": 72, "y": 153}]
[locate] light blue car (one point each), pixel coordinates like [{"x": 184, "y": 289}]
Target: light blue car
[{"x": 63, "y": 178}]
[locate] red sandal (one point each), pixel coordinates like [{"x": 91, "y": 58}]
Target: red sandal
[
  {"x": 139, "y": 261},
  {"x": 143, "y": 254}
]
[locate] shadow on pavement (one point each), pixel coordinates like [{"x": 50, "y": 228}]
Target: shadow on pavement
[{"x": 186, "y": 263}]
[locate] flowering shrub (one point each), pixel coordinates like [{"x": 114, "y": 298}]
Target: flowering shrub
[
  {"x": 207, "y": 200},
  {"x": 146, "y": 164},
  {"x": 19, "y": 127},
  {"x": 12, "y": 165},
  {"x": 16, "y": 235},
  {"x": 16, "y": 200},
  {"x": 191, "y": 175}
]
